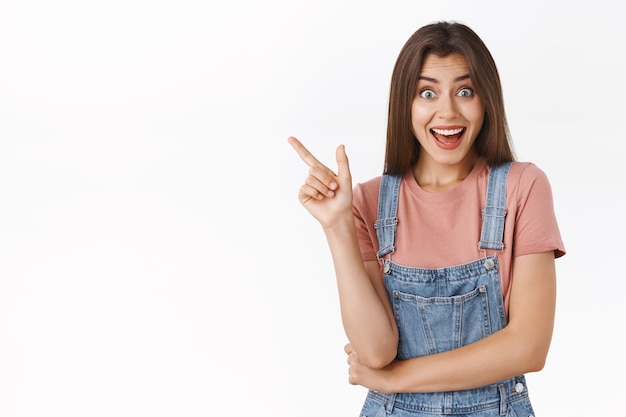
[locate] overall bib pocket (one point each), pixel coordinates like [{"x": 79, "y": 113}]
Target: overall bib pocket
[{"x": 430, "y": 325}]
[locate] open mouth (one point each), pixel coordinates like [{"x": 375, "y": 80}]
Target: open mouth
[{"x": 448, "y": 136}]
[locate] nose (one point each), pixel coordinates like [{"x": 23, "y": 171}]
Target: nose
[{"x": 447, "y": 107}]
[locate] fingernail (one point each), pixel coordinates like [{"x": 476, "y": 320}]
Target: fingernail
[{"x": 333, "y": 185}]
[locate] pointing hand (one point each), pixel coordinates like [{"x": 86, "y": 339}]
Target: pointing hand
[{"x": 325, "y": 194}]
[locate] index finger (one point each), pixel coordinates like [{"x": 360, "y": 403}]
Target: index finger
[{"x": 304, "y": 153}]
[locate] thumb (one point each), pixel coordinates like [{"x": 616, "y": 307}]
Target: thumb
[{"x": 343, "y": 167}]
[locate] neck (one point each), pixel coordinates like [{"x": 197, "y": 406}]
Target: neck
[{"x": 436, "y": 177}]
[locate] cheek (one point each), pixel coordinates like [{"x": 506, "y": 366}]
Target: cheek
[
  {"x": 476, "y": 114},
  {"x": 419, "y": 117},
  {"x": 480, "y": 118}
]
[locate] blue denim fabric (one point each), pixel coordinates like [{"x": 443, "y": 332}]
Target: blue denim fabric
[{"x": 445, "y": 308}]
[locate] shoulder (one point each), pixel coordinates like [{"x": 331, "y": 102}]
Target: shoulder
[
  {"x": 368, "y": 190},
  {"x": 525, "y": 177},
  {"x": 365, "y": 200},
  {"x": 526, "y": 170}
]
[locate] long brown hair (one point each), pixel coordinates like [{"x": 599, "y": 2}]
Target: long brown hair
[{"x": 493, "y": 142}]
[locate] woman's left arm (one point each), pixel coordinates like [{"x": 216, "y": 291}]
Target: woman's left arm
[{"x": 520, "y": 347}]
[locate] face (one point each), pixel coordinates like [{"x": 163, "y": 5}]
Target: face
[{"x": 446, "y": 114}]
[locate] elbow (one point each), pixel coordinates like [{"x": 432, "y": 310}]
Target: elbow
[
  {"x": 377, "y": 361},
  {"x": 536, "y": 361},
  {"x": 380, "y": 357},
  {"x": 533, "y": 358},
  {"x": 528, "y": 350},
  {"x": 378, "y": 353}
]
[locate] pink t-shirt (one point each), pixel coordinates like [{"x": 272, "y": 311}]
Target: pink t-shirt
[{"x": 440, "y": 229}]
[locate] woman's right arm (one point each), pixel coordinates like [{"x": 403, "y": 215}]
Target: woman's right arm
[{"x": 365, "y": 308}]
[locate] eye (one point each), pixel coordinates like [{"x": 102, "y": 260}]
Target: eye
[
  {"x": 427, "y": 94},
  {"x": 466, "y": 92}
]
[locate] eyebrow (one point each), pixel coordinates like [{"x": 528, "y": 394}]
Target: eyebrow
[{"x": 434, "y": 80}]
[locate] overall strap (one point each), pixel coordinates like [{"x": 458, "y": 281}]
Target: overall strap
[
  {"x": 494, "y": 212},
  {"x": 387, "y": 220}
]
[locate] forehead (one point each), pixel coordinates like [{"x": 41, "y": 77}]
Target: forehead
[{"x": 435, "y": 66}]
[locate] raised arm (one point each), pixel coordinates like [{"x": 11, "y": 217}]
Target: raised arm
[
  {"x": 520, "y": 347},
  {"x": 365, "y": 309}
]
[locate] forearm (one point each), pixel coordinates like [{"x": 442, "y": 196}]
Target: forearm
[
  {"x": 495, "y": 358},
  {"x": 366, "y": 321}
]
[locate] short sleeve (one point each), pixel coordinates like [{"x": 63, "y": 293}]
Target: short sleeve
[
  {"x": 365, "y": 210},
  {"x": 536, "y": 226}
]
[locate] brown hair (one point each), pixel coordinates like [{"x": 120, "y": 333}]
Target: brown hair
[{"x": 444, "y": 38}]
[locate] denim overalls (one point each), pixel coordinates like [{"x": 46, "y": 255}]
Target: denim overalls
[{"x": 444, "y": 308}]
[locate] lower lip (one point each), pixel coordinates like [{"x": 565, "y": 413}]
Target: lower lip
[{"x": 448, "y": 146}]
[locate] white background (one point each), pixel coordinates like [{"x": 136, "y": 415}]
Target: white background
[{"x": 154, "y": 260}]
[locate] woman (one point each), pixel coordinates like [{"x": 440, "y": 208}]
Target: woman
[{"x": 445, "y": 264}]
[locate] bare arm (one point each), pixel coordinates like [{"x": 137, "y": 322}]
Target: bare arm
[
  {"x": 365, "y": 309},
  {"x": 520, "y": 347}
]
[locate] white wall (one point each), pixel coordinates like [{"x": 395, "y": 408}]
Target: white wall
[{"x": 154, "y": 259}]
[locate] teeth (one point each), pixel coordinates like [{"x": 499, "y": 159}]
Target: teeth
[{"x": 447, "y": 132}]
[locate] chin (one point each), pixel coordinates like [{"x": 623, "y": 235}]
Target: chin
[{"x": 451, "y": 159}]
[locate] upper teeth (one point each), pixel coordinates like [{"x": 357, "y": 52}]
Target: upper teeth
[{"x": 448, "y": 132}]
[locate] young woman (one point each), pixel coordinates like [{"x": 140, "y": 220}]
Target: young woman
[{"x": 445, "y": 264}]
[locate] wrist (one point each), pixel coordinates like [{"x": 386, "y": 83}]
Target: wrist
[
  {"x": 340, "y": 226},
  {"x": 387, "y": 381}
]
